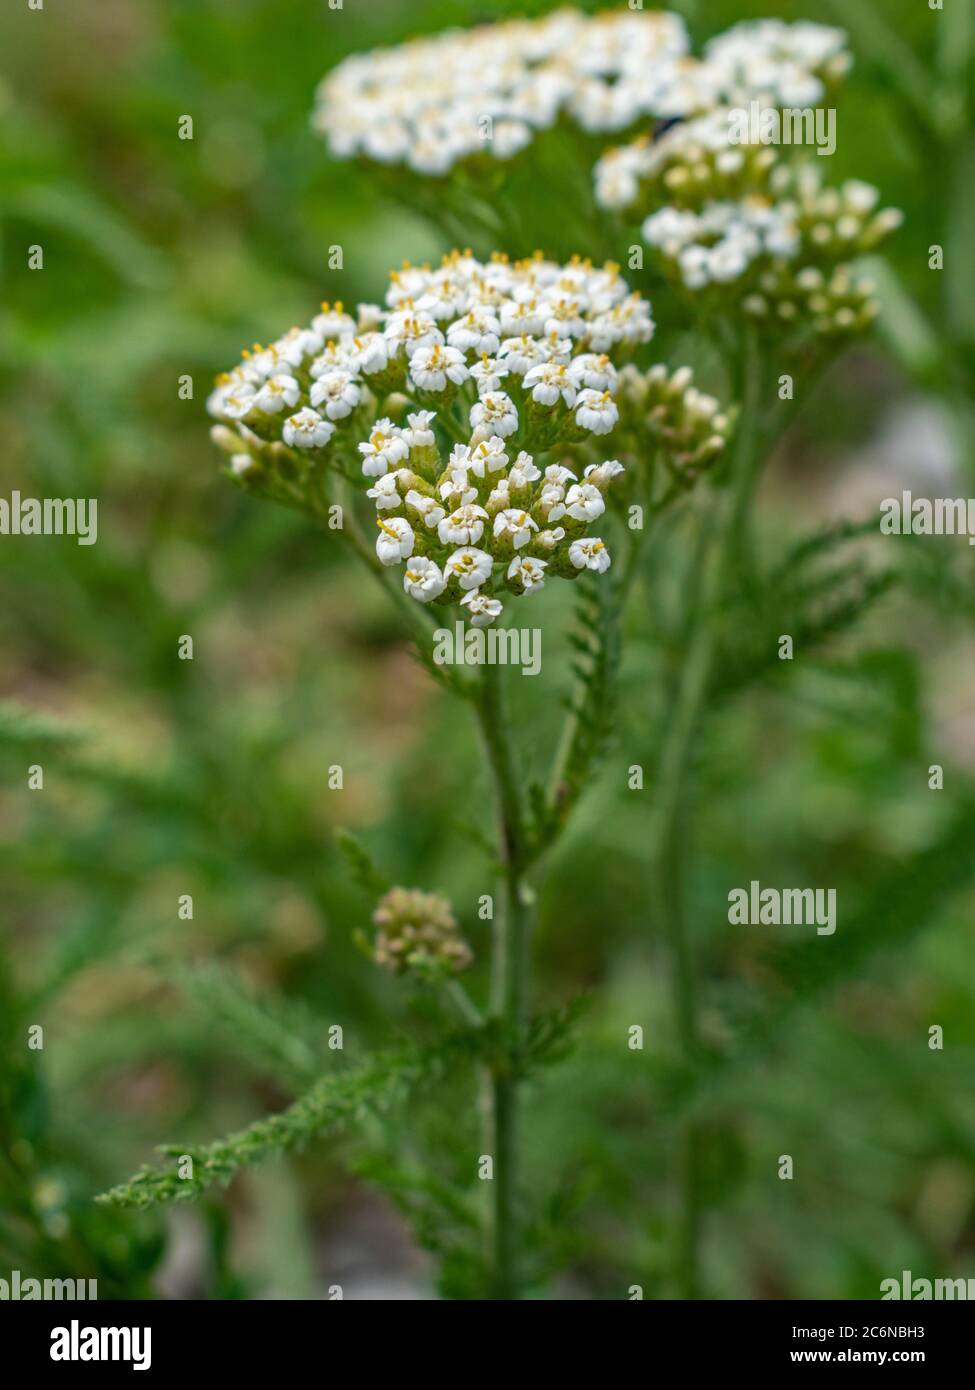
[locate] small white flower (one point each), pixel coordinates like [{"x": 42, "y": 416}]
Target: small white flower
[
  {"x": 432, "y": 367},
  {"x": 488, "y": 374},
  {"x": 465, "y": 526},
  {"x": 596, "y": 411},
  {"x": 411, "y": 330},
  {"x": 528, "y": 572},
  {"x": 584, "y": 502},
  {"x": 419, "y": 435},
  {"x": 337, "y": 357},
  {"x": 488, "y": 457},
  {"x": 428, "y": 508},
  {"x": 589, "y": 553},
  {"x": 548, "y": 540},
  {"x": 455, "y": 488},
  {"x": 332, "y": 322},
  {"x": 523, "y": 471},
  {"x": 307, "y": 430},
  {"x": 564, "y": 316},
  {"x": 383, "y": 449},
  {"x": 551, "y": 501},
  {"x": 296, "y": 345},
  {"x": 595, "y": 370},
  {"x": 337, "y": 392},
  {"x": 602, "y": 474},
  {"x": 481, "y": 608},
  {"x": 470, "y": 567},
  {"x": 515, "y": 526},
  {"x": 385, "y": 494},
  {"x": 522, "y": 353},
  {"x": 370, "y": 354},
  {"x": 499, "y": 497},
  {"x": 478, "y": 331},
  {"x": 551, "y": 380},
  {"x": 277, "y": 392},
  {"x": 233, "y": 400},
  {"x": 423, "y": 579},
  {"x": 395, "y": 540},
  {"x": 494, "y": 414}
]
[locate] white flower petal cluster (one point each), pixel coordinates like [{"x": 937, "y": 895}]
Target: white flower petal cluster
[
  {"x": 777, "y": 63},
  {"x": 526, "y": 336},
  {"x": 690, "y": 160},
  {"x": 719, "y": 243},
  {"x": 433, "y": 102},
  {"x": 303, "y": 388},
  {"x": 498, "y": 380},
  {"x": 485, "y": 521},
  {"x": 728, "y": 215}
]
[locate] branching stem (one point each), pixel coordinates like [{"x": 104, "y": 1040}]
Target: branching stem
[{"x": 509, "y": 984}]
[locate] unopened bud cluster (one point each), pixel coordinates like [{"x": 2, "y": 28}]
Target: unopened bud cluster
[
  {"x": 688, "y": 427},
  {"x": 417, "y": 931}
]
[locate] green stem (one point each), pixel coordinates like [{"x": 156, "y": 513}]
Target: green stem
[
  {"x": 669, "y": 867},
  {"x": 509, "y": 984}
]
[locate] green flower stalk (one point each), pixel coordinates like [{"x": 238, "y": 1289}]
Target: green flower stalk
[{"x": 487, "y": 415}]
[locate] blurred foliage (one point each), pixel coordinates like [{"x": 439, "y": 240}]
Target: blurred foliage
[{"x": 209, "y": 777}]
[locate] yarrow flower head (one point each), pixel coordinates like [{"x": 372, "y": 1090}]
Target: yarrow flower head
[
  {"x": 777, "y": 63},
  {"x": 288, "y": 405},
  {"x": 475, "y": 409},
  {"x": 485, "y": 492},
  {"x": 418, "y": 931},
  {"x": 732, "y": 218},
  {"x": 486, "y": 91}
]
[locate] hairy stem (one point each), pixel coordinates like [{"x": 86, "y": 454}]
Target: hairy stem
[
  {"x": 509, "y": 983},
  {"x": 669, "y": 855}
]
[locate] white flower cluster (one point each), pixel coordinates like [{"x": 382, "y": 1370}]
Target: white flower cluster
[
  {"x": 432, "y": 103},
  {"x": 496, "y": 363},
  {"x": 719, "y": 243},
  {"x": 541, "y": 330},
  {"x": 729, "y": 214},
  {"x": 776, "y": 63},
  {"x": 518, "y": 359},
  {"x": 689, "y": 161},
  {"x": 485, "y": 521},
  {"x": 301, "y": 389}
]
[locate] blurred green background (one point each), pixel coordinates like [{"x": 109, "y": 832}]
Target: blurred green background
[{"x": 162, "y": 777}]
